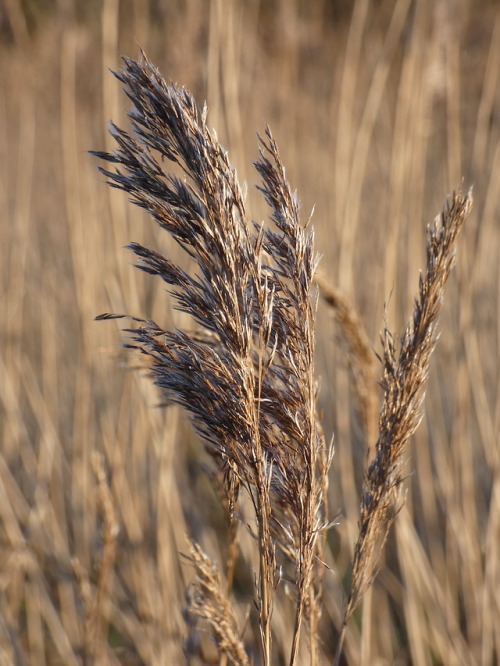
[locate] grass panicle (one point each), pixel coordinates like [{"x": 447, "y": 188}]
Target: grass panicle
[
  {"x": 207, "y": 600},
  {"x": 247, "y": 377},
  {"x": 405, "y": 371}
]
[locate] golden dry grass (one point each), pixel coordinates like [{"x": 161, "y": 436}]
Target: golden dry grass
[{"x": 379, "y": 109}]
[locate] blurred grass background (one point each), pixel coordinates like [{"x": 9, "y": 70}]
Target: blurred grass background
[{"x": 379, "y": 109}]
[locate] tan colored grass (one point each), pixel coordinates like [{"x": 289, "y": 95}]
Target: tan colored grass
[
  {"x": 66, "y": 388},
  {"x": 405, "y": 371},
  {"x": 208, "y": 601}
]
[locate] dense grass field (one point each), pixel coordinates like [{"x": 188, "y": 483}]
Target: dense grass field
[{"x": 380, "y": 109}]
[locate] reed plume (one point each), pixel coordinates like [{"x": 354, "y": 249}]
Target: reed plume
[
  {"x": 246, "y": 376},
  {"x": 405, "y": 370}
]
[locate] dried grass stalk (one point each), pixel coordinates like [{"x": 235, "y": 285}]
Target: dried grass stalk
[
  {"x": 404, "y": 374},
  {"x": 96, "y": 599},
  {"x": 360, "y": 356}
]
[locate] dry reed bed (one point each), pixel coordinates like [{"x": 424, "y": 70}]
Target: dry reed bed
[{"x": 435, "y": 597}]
